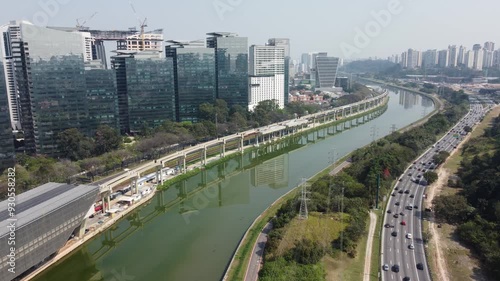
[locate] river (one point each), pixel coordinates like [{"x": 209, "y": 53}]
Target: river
[{"x": 194, "y": 239}]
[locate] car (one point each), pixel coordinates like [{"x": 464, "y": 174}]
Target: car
[
  {"x": 401, "y": 214},
  {"x": 400, "y": 179},
  {"x": 419, "y": 169},
  {"x": 397, "y": 204},
  {"x": 408, "y": 235},
  {"x": 412, "y": 196},
  {"x": 395, "y": 268},
  {"x": 387, "y": 225},
  {"x": 411, "y": 247},
  {"x": 407, "y": 191},
  {"x": 394, "y": 233},
  {"x": 403, "y": 223},
  {"x": 419, "y": 176},
  {"x": 400, "y": 192},
  {"x": 409, "y": 174},
  {"x": 420, "y": 266},
  {"x": 393, "y": 194},
  {"x": 385, "y": 267},
  {"x": 389, "y": 211},
  {"x": 406, "y": 278},
  {"x": 415, "y": 207},
  {"x": 409, "y": 208},
  {"x": 396, "y": 188},
  {"x": 396, "y": 216}
]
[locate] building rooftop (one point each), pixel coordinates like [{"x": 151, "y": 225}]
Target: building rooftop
[
  {"x": 223, "y": 34},
  {"x": 40, "y": 201}
]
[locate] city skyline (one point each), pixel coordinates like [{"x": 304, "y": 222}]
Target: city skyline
[{"x": 403, "y": 21}]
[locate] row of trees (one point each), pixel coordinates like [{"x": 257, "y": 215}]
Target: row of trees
[
  {"x": 476, "y": 208},
  {"x": 353, "y": 190}
]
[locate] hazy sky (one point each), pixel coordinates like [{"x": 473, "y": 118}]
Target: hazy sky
[{"x": 312, "y": 25}]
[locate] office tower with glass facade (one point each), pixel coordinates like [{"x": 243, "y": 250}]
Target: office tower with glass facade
[
  {"x": 326, "y": 71},
  {"x": 267, "y": 71},
  {"x": 49, "y": 73},
  {"x": 231, "y": 67},
  {"x": 145, "y": 90},
  {"x": 285, "y": 43},
  {"x": 6, "y": 137},
  {"x": 194, "y": 76},
  {"x": 102, "y": 97}
]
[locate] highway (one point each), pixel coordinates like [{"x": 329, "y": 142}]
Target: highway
[{"x": 402, "y": 244}]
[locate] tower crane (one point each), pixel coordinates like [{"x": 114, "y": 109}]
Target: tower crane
[
  {"x": 82, "y": 25},
  {"x": 142, "y": 23}
]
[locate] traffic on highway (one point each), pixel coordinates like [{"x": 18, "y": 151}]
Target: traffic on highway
[{"x": 403, "y": 255}]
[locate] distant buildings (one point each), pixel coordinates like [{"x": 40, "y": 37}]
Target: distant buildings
[
  {"x": 452, "y": 56},
  {"x": 430, "y": 58},
  {"x": 153, "y": 41},
  {"x": 6, "y": 137},
  {"x": 443, "y": 57}
]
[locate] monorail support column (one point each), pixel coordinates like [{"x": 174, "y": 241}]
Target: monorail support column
[
  {"x": 204, "y": 155},
  {"x": 133, "y": 185},
  {"x": 224, "y": 148},
  {"x": 159, "y": 175},
  {"x": 241, "y": 143},
  {"x": 184, "y": 163}
]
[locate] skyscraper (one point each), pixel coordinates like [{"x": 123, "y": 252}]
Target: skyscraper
[
  {"x": 461, "y": 55},
  {"x": 469, "y": 59},
  {"x": 478, "y": 59},
  {"x": 413, "y": 58},
  {"x": 429, "y": 59},
  {"x": 145, "y": 89},
  {"x": 231, "y": 67},
  {"x": 280, "y": 42},
  {"x": 326, "y": 71},
  {"x": 194, "y": 77},
  {"x": 404, "y": 60},
  {"x": 487, "y": 58},
  {"x": 489, "y": 46},
  {"x": 443, "y": 58},
  {"x": 267, "y": 75},
  {"x": 6, "y": 137},
  {"x": 49, "y": 67},
  {"x": 452, "y": 56},
  {"x": 285, "y": 43}
]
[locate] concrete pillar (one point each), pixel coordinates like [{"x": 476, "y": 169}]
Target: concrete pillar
[
  {"x": 241, "y": 143},
  {"x": 184, "y": 163},
  {"x": 204, "y": 155},
  {"x": 224, "y": 149}
]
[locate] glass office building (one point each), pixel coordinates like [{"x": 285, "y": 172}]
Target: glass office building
[
  {"x": 145, "y": 84},
  {"x": 194, "y": 75},
  {"x": 101, "y": 98},
  {"x": 231, "y": 67},
  {"x": 326, "y": 71},
  {"x": 6, "y": 137},
  {"x": 49, "y": 70}
]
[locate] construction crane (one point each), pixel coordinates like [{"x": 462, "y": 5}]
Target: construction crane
[
  {"x": 82, "y": 25},
  {"x": 142, "y": 24}
]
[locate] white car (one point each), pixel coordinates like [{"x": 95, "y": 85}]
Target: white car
[
  {"x": 408, "y": 235},
  {"x": 411, "y": 246}
]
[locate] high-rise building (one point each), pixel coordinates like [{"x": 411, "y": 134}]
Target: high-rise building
[
  {"x": 496, "y": 59},
  {"x": 429, "y": 58},
  {"x": 452, "y": 56},
  {"x": 461, "y": 55},
  {"x": 49, "y": 67},
  {"x": 231, "y": 67},
  {"x": 478, "y": 59},
  {"x": 469, "y": 59},
  {"x": 153, "y": 41},
  {"x": 6, "y": 137},
  {"x": 194, "y": 77},
  {"x": 413, "y": 58},
  {"x": 145, "y": 89},
  {"x": 285, "y": 43},
  {"x": 404, "y": 60},
  {"x": 476, "y": 47},
  {"x": 280, "y": 42},
  {"x": 487, "y": 58},
  {"x": 443, "y": 58},
  {"x": 102, "y": 100},
  {"x": 306, "y": 62},
  {"x": 267, "y": 67},
  {"x": 8, "y": 33},
  {"x": 326, "y": 71},
  {"x": 489, "y": 46}
]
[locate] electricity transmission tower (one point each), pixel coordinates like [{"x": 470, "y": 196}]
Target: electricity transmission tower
[
  {"x": 374, "y": 132},
  {"x": 393, "y": 128},
  {"x": 303, "y": 214}
]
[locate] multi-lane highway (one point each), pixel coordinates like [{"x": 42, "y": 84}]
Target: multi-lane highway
[{"x": 403, "y": 256}]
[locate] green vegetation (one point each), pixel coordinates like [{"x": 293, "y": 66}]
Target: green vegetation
[
  {"x": 358, "y": 92},
  {"x": 476, "y": 208},
  {"x": 431, "y": 177},
  {"x": 358, "y": 184}
]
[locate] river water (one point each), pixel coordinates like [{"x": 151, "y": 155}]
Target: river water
[{"x": 187, "y": 236}]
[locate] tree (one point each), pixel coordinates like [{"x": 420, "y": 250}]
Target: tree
[
  {"x": 74, "y": 145},
  {"x": 106, "y": 139},
  {"x": 453, "y": 209},
  {"x": 441, "y": 157},
  {"x": 467, "y": 129},
  {"x": 430, "y": 177},
  {"x": 307, "y": 251},
  {"x": 206, "y": 112}
]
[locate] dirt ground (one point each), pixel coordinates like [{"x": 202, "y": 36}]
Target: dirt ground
[{"x": 449, "y": 260}]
